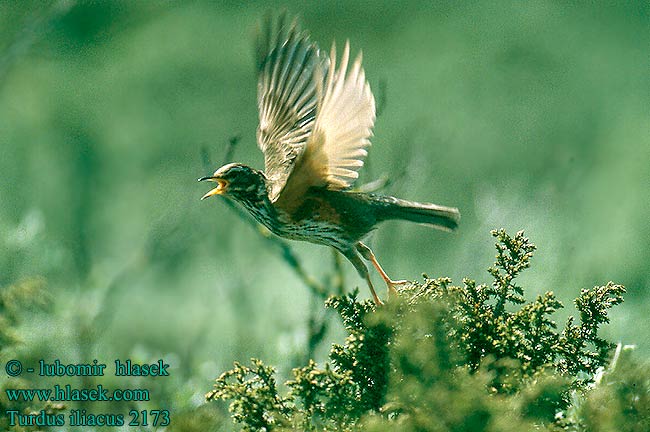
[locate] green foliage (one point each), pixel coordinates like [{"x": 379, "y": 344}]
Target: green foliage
[
  {"x": 475, "y": 357},
  {"x": 574, "y": 341},
  {"x": 14, "y": 299},
  {"x": 495, "y": 321},
  {"x": 620, "y": 400},
  {"x": 257, "y": 403}
]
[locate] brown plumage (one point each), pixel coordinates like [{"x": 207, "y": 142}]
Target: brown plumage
[{"x": 316, "y": 121}]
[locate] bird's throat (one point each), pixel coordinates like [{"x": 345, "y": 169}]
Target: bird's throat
[{"x": 262, "y": 211}]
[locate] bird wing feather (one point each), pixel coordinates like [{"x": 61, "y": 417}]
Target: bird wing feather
[
  {"x": 287, "y": 95},
  {"x": 336, "y": 147}
]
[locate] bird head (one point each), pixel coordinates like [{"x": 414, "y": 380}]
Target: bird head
[{"x": 237, "y": 181}]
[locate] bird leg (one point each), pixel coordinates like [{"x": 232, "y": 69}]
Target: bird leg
[
  {"x": 378, "y": 302},
  {"x": 353, "y": 256},
  {"x": 367, "y": 253}
]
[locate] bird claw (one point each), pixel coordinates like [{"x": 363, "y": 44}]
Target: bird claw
[{"x": 392, "y": 291}]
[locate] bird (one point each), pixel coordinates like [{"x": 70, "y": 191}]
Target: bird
[{"x": 316, "y": 118}]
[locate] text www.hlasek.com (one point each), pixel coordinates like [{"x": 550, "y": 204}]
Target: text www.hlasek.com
[{"x": 67, "y": 393}]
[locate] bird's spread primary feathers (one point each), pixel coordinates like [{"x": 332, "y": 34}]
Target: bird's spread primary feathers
[
  {"x": 287, "y": 96},
  {"x": 315, "y": 118}
]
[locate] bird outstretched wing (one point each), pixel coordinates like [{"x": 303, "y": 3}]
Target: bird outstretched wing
[
  {"x": 290, "y": 79},
  {"x": 336, "y": 147}
]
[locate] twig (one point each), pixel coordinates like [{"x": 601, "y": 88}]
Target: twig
[
  {"x": 373, "y": 186},
  {"x": 230, "y": 149},
  {"x": 338, "y": 281},
  {"x": 381, "y": 97},
  {"x": 317, "y": 329}
]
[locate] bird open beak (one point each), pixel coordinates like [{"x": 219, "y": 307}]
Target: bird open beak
[{"x": 219, "y": 190}]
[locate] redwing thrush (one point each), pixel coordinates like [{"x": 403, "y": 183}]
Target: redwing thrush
[{"x": 315, "y": 123}]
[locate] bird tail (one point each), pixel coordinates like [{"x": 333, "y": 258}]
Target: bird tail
[{"x": 437, "y": 216}]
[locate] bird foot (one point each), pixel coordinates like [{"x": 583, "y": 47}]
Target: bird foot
[{"x": 391, "y": 284}]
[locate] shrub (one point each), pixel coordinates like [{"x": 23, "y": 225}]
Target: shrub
[{"x": 455, "y": 358}]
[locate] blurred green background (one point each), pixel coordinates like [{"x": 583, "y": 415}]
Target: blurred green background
[{"x": 525, "y": 115}]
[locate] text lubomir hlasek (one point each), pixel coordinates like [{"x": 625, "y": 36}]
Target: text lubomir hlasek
[{"x": 122, "y": 368}]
